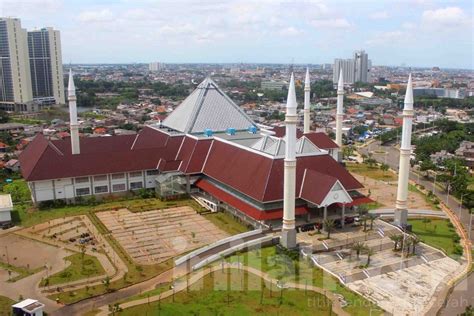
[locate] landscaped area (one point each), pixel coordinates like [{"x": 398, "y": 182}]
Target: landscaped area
[
  {"x": 81, "y": 266},
  {"x": 290, "y": 268},
  {"x": 373, "y": 172},
  {"x": 233, "y": 292},
  {"x": 438, "y": 233}
]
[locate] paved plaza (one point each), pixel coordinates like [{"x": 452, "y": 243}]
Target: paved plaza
[{"x": 158, "y": 235}]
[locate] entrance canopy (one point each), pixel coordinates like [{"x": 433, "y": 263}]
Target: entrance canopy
[{"x": 323, "y": 190}]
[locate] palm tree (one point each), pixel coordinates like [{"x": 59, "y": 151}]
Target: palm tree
[
  {"x": 414, "y": 241},
  {"x": 328, "y": 226},
  {"x": 369, "y": 252},
  {"x": 358, "y": 247},
  {"x": 362, "y": 210},
  {"x": 372, "y": 218},
  {"x": 396, "y": 239}
]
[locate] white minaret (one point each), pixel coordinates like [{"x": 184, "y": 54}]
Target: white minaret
[
  {"x": 339, "y": 113},
  {"x": 288, "y": 234},
  {"x": 401, "y": 206},
  {"x": 71, "y": 96},
  {"x": 307, "y": 91}
]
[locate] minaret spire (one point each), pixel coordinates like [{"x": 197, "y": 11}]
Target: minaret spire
[
  {"x": 401, "y": 207},
  {"x": 306, "y": 110},
  {"x": 339, "y": 113},
  {"x": 74, "y": 126},
  {"x": 288, "y": 234}
]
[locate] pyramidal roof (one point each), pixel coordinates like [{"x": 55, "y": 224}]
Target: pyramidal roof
[{"x": 207, "y": 107}]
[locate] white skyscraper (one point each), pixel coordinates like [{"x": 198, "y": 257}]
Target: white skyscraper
[
  {"x": 348, "y": 70},
  {"x": 15, "y": 88}
]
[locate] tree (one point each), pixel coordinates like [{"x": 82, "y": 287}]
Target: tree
[
  {"x": 358, "y": 247},
  {"x": 106, "y": 283},
  {"x": 328, "y": 226},
  {"x": 372, "y": 218},
  {"x": 369, "y": 252},
  {"x": 414, "y": 242},
  {"x": 396, "y": 239},
  {"x": 384, "y": 167},
  {"x": 362, "y": 210}
]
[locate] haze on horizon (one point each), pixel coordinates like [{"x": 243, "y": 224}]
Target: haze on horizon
[{"x": 411, "y": 32}]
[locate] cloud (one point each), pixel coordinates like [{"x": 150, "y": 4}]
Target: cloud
[
  {"x": 380, "y": 15},
  {"x": 391, "y": 37},
  {"x": 290, "y": 31},
  {"x": 100, "y": 16},
  {"x": 445, "y": 17},
  {"x": 338, "y": 23}
]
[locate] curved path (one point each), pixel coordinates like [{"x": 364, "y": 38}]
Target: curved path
[{"x": 336, "y": 305}]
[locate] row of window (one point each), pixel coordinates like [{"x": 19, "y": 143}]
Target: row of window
[
  {"x": 119, "y": 187},
  {"x": 116, "y": 176}
]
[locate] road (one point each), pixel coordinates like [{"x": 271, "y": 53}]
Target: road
[{"x": 463, "y": 293}]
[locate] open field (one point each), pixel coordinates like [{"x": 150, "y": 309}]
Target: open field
[
  {"x": 226, "y": 222},
  {"x": 156, "y": 236},
  {"x": 371, "y": 172},
  {"x": 244, "y": 297},
  {"x": 27, "y": 253},
  {"x": 81, "y": 267},
  {"x": 437, "y": 233}
]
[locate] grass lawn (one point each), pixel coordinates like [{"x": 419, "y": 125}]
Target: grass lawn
[
  {"x": 80, "y": 268},
  {"x": 5, "y": 306},
  {"x": 438, "y": 233},
  {"x": 299, "y": 271},
  {"x": 230, "y": 292},
  {"x": 226, "y": 222},
  {"x": 371, "y": 172}
]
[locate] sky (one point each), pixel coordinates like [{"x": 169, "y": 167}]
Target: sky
[{"x": 393, "y": 32}]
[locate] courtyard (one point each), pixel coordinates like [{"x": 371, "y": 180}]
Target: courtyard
[{"x": 155, "y": 236}]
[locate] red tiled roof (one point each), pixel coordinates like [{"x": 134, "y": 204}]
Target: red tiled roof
[
  {"x": 316, "y": 186},
  {"x": 193, "y": 153},
  {"x": 280, "y": 131},
  {"x": 321, "y": 140},
  {"x": 44, "y": 159},
  {"x": 260, "y": 177},
  {"x": 242, "y": 205}
]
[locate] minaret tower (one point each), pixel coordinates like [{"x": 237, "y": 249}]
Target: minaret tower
[
  {"x": 339, "y": 113},
  {"x": 401, "y": 206},
  {"x": 288, "y": 234},
  {"x": 71, "y": 96},
  {"x": 307, "y": 91}
]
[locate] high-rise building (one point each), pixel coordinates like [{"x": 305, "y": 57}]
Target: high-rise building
[
  {"x": 15, "y": 83},
  {"x": 361, "y": 62},
  {"x": 155, "y": 66},
  {"x": 348, "y": 70},
  {"x": 354, "y": 70},
  {"x": 46, "y": 69}
]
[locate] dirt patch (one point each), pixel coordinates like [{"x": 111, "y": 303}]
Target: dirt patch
[{"x": 155, "y": 236}]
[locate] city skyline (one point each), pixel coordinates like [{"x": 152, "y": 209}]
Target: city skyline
[{"x": 309, "y": 32}]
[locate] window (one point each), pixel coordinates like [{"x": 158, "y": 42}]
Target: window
[
  {"x": 118, "y": 187},
  {"x": 101, "y": 189},
  {"x": 135, "y": 174},
  {"x": 116, "y": 176},
  {"x": 83, "y": 191},
  {"x": 136, "y": 185},
  {"x": 100, "y": 178},
  {"x": 82, "y": 180},
  {"x": 152, "y": 172}
]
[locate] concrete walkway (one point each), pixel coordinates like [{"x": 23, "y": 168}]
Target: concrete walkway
[
  {"x": 411, "y": 212},
  {"x": 336, "y": 304}
]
